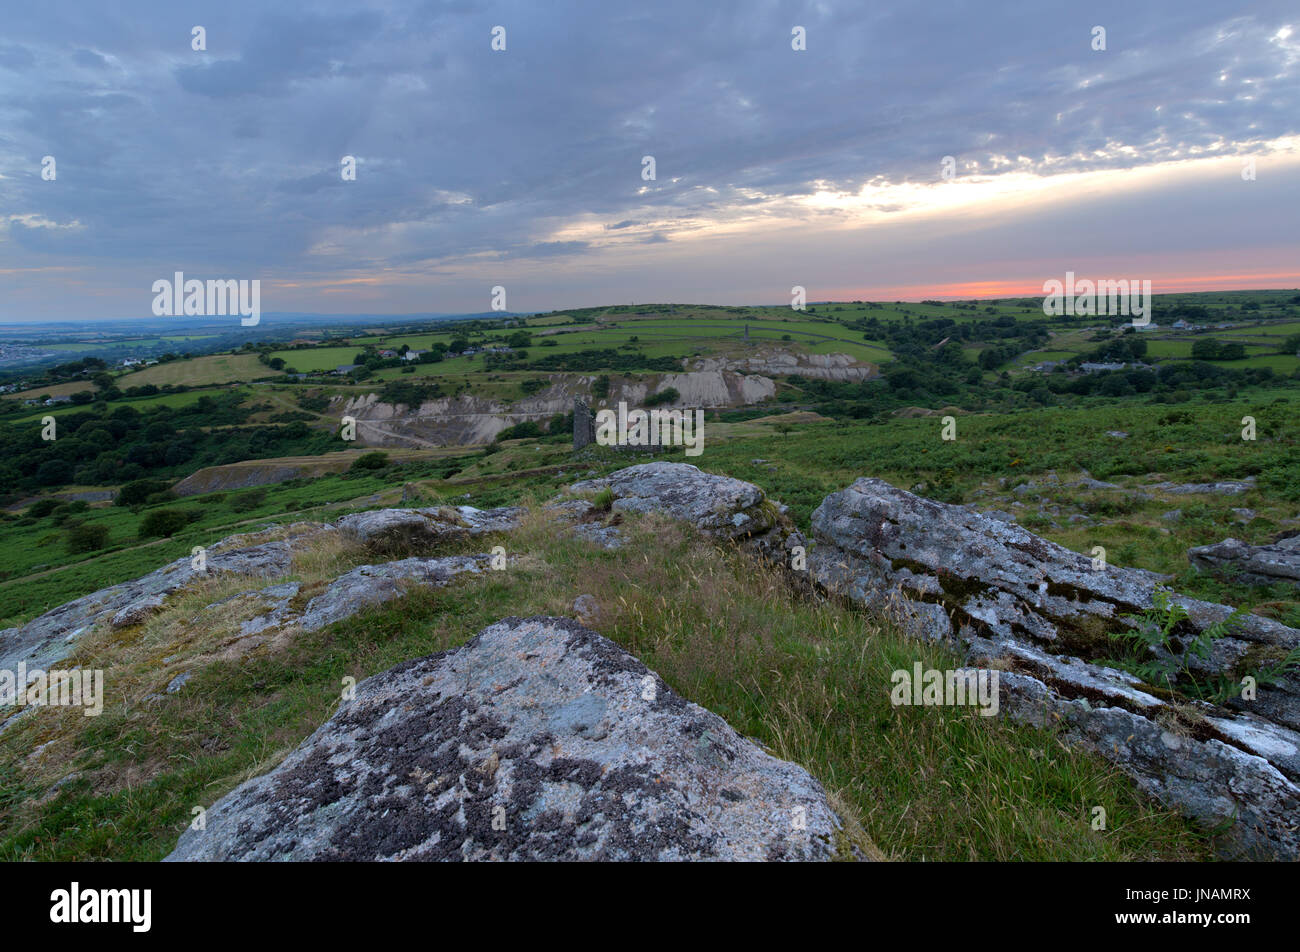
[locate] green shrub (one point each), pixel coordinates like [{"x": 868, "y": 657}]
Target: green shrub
[
  {"x": 520, "y": 431},
  {"x": 167, "y": 522},
  {"x": 370, "y": 461},
  {"x": 138, "y": 491},
  {"x": 246, "y": 501},
  {"x": 42, "y": 508},
  {"x": 86, "y": 537},
  {"x": 670, "y": 395}
]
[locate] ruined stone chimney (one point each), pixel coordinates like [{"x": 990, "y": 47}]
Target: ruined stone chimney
[{"x": 584, "y": 424}]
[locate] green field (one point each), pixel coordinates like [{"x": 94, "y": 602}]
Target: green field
[{"x": 775, "y": 664}]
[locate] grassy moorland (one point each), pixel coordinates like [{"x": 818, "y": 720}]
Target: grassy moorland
[
  {"x": 807, "y": 678},
  {"x": 1077, "y": 457}
]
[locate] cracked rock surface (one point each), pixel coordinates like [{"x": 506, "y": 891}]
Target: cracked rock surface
[
  {"x": 537, "y": 740},
  {"x": 1037, "y": 611}
]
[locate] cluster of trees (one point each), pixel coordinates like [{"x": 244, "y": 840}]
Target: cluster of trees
[
  {"x": 370, "y": 359},
  {"x": 508, "y": 358},
  {"x": 275, "y": 363},
  {"x": 101, "y": 447},
  {"x": 73, "y": 370},
  {"x": 1209, "y": 349},
  {"x": 946, "y": 381},
  {"x": 559, "y": 425},
  {"x": 916, "y": 340},
  {"x": 1127, "y": 347},
  {"x": 1167, "y": 378}
]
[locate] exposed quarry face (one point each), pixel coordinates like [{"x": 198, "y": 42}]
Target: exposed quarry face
[
  {"x": 708, "y": 383},
  {"x": 467, "y": 420},
  {"x": 780, "y": 363},
  {"x": 450, "y": 421}
]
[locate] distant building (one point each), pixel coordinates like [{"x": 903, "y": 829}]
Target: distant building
[
  {"x": 412, "y": 355},
  {"x": 1093, "y": 368},
  {"x": 1180, "y": 325},
  {"x": 345, "y": 368},
  {"x": 1047, "y": 365},
  {"x": 388, "y": 354}
]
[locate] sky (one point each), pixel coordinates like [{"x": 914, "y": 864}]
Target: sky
[{"x": 910, "y": 150}]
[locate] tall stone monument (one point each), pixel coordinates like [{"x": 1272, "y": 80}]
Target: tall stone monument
[{"x": 584, "y": 424}]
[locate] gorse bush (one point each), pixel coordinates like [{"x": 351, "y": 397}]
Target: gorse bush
[
  {"x": 138, "y": 491},
  {"x": 370, "y": 461},
  {"x": 667, "y": 395},
  {"x": 247, "y": 501},
  {"x": 86, "y": 537},
  {"x": 167, "y": 522}
]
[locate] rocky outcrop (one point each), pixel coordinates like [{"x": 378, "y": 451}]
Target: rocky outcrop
[
  {"x": 50, "y": 637},
  {"x": 463, "y": 420},
  {"x": 587, "y": 522},
  {"x": 1033, "y": 608},
  {"x": 1238, "y": 772},
  {"x": 724, "y": 508},
  {"x": 369, "y": 585},
  {"x": 715, "y": 388},
  {"x": 537, "y": 740},
  {"x": 782, "y": 363},
  {"x": 991, "y": 574},
  {"x": 467, "y": 419},
  {"x": 1227, "y": 487},
  {"x": 391, "y": 531},
  {"x": 1278, "y": 561}
]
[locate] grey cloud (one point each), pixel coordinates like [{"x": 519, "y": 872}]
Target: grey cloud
[
  {"x": 230, "y": 158},
  {"x": 279, "y": 51},
  {"x": 89, "y": 59},
  {"x": 13, "y": 56},
  {"x": 551, "y": 249}
]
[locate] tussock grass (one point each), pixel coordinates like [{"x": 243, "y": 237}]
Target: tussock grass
[{"x": 809, "y": 679}]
